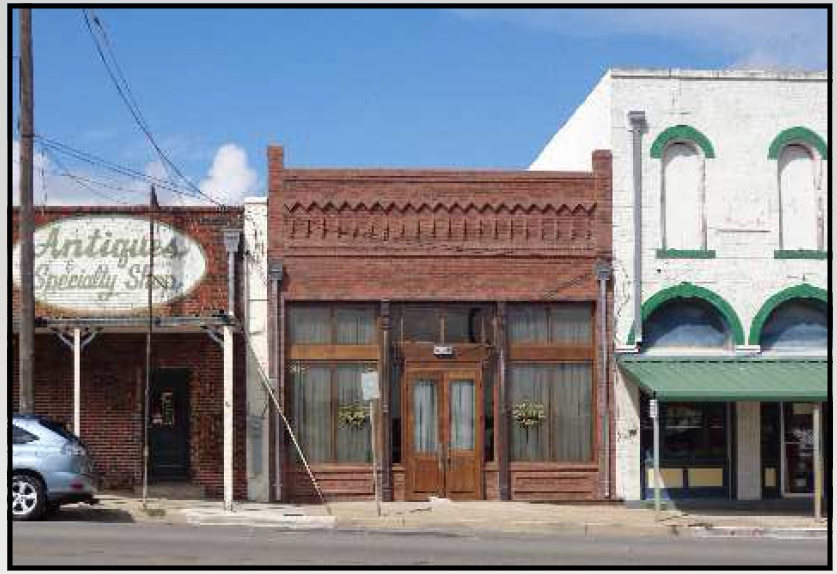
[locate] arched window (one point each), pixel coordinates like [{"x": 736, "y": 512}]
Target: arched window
[
  {"x": 687, "y": 325},
  {"x": 801, "y": 209},
  {"x": 796, "y": 326},
  {"x": 682, "y": 198}
]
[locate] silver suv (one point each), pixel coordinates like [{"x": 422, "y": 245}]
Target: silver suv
[{"x": 50, "y": 467}]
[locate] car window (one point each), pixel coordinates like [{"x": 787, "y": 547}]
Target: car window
[
  {"x": 20, "y": 436},
  {"x": 58, "y": 429}
]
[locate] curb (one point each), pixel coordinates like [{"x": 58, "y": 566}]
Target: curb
[
  {"x": 760, "y": 532},
  {"x": 289, "y": 522}
]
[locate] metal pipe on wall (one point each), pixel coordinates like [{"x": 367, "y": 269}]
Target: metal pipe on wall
[
  {"x": 603, "y": 271},
  {"x": 636, "y": 120}
]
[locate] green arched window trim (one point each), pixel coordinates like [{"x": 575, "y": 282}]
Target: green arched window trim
[
  {"x": 797, "y": 134},
  {"x": 679, "y": 133},
  {"x": 803, "y": 291},
  {"x": 690, "y": 291}
]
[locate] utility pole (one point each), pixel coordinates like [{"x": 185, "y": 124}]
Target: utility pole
[
  {"x": 27, "y": 224},
  {"x": 152, "y": 205}
]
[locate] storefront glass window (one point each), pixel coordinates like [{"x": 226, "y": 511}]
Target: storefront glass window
[
  {"x": 330, "y": 418},
  {"x": 688, "y": 431},
  {"x": 551, "y": 412},
  {"x": 332, "y": 324},
  {"x": 560, "y": 324}
]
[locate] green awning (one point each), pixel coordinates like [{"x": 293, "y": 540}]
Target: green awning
[{"x": 728, "y": 379}]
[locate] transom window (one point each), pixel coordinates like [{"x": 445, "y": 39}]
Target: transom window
[
  {"x": 311, "y": 324},
  {"x": 688, "y": 325},
  {"x": 450, "y": 323},
  {"x": 798, "y": 326},
  {"x": 557, "y": 324}
]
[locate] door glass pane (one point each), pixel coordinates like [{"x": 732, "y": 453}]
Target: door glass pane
[
  {"x": 462, "y": 415},
  {"x": 425, "y": 416}
]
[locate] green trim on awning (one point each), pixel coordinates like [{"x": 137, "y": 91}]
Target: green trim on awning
[{"x": 728, "y": 379}]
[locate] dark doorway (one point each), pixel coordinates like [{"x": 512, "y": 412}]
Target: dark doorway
[{"x": 168, "y": 425}]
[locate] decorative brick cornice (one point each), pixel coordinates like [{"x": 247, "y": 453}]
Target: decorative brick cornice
[{"x": 495, "y": 206}]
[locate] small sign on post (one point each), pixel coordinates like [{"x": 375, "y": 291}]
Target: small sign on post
[
  {"x": 372, "y": 392},
  {"x": 654, "y": 409}
]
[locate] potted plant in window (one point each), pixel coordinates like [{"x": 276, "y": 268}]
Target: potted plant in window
[{"x": 528, "y": 414}]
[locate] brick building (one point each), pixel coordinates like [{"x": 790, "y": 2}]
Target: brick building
[
  {"x": 720, "y": 193},
  {"x": 477, "y": 297},
  {"x": 91, "y": 267}
]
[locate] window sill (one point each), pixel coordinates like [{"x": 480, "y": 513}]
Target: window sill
[
  {"x": 800, "y": 254},
  {"x": 685, "y": 253}
]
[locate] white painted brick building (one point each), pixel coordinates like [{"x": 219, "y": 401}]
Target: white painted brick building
[{"x": 727, "y": 227}]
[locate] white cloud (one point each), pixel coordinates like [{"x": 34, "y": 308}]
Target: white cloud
[
  {"x": 229, "y": 180},
  {"x": 762, "y": 37},
  {"x": 230, "y": 177}
]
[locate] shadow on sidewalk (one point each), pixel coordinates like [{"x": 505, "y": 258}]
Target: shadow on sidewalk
[{"x": 85, "y": 513}]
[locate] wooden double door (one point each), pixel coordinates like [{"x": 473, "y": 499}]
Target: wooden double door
[{"x": 443, "y": 433}]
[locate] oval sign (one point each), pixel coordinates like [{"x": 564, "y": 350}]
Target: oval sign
[{"x": 100, "y": 263}]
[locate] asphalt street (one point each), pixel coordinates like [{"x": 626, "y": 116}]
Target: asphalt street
[{"x": 69, "y": 543}]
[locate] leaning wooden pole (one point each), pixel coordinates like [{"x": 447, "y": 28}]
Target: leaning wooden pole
[{"x": 147, "y": 399}]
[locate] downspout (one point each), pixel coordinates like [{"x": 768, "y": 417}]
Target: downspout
[
  {"x": 636, "y": 120},
  {"x": 603, "y": 271}
]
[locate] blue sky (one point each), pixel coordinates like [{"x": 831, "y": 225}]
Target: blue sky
[{"x": 365, "y": 88}]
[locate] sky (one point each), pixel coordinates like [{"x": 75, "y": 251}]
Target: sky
[{"x": 472, "y": 88}]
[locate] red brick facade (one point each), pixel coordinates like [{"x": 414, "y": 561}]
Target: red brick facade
[
  {"x": 113, "y": 365},
  {"x": 376, "y": 235}
]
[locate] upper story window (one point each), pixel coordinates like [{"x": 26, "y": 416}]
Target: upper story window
[
  {"x": 683, "y": 198},
  {"x": 800, "y": 153},
  {"x": 797, "y": 326},
  {"x": 682, "y": 150},
  {"x": 686, "y": 325},
  {"x": 800, "y": 203}
]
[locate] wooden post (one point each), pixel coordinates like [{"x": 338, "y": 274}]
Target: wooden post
[
  {"x": 228, "y": 418},
  {"x": 374, "y": 438},
  {"x": 386, "y": 407},
  {"x": 502, "y": 407},
  {"x": 818, "y": 490},
  {"x": 77, "y": 381},
  {"x": 27, "y": 222}
]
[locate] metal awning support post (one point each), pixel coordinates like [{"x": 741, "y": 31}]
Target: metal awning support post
[
  {"x": 817, "y": 462},
  {"x": 232, "y": 239},
  {"x": 655, "y": 416},
  {"x": 76, "y": 344}
]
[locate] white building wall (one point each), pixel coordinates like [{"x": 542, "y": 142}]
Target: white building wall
[
  {"x": 740, "y": 113},
  {"x": 256, "y": 298},
  {"x": 748, "y": 421}
]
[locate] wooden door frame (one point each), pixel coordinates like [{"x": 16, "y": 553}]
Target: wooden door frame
[{"x": 443, "y": 372}]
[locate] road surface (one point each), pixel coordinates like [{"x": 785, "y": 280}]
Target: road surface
[{"x": 70, "y": 543}]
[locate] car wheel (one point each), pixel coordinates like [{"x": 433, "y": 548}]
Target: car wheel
[{"x": 28, "y": 497}]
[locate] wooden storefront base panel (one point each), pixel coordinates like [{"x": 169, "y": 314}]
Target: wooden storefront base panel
[
  {"x": 706, "y": 477},
  {"x": 333, "y": 352},
  {"x": 554, "y": 483}
]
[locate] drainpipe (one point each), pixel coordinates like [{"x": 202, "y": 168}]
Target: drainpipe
[
  {"x": 636, "y": 120},
  {"x": 603, "y": 271}
]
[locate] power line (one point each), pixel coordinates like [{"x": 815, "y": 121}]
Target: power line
[
  {"x": 80, "y": 180},
  {"x": 125, "y": 93}
]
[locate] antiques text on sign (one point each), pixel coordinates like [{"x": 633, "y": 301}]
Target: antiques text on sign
[{"x": 101, "y": 263}]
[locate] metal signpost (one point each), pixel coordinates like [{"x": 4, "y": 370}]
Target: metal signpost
[
  {"x": 371, "y": 393},
  {"x": 654, "y": 409}
]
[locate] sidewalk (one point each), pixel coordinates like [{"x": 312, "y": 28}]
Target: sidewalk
[{"x": 470, "y": 517}]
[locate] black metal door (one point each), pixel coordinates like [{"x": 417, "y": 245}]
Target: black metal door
[{"x": 168, "y": 425}]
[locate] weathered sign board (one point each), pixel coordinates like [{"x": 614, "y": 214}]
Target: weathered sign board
[{"x": 100, "y": 264}]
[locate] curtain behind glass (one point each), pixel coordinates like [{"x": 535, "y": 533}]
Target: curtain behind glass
[
  {"x": 571, "y": 325},
  {"x": 353, "y": 443},
  {"x": 425, "y": 417},
  {"x": 312, "y": 416},
  {"x": 565, "y": 391},
  {"x": 530, "y": 383},
  {"x": 462, "y": 415},
  {"x": 528, "y": 324},
  {"x": 572, "y": 412},
  {"x": 309, "y": 325},
  {"x": 355, "y": 326}
]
